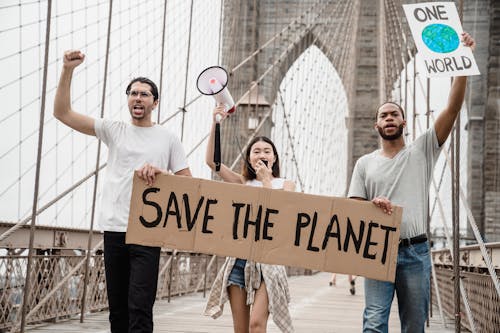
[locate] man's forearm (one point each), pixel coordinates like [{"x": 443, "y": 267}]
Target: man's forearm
[
  {"x": 457, "y": 94},
  {"x": 62, "y": 101},
  {"x": 444, "y": 121},
  {"x": 209, "y": 154}
]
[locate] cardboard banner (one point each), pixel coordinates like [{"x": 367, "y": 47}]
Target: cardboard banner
[
  {"x": 436, "y": 30},
  {"x": 264, "y": 225}
]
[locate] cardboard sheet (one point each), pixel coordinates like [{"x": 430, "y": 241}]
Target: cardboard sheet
[{"x": 264, "y": 225}]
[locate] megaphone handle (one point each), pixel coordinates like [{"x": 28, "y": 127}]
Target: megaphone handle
[{"x": 217, "y": 147}]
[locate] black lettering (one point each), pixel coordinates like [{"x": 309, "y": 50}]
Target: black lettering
[
  {"x": 238, "y": 206},
  {"x": 441, "y": 12},
  {"x": 438, "y": 62},
  {"x": 431, "y": 12},
  {"x": 368, "y": 243},
  {"x": 430, "y": 66},
  {"x": 311, "y": 235},
  {"x": 173, "y": 200},
  {"x": 300, "y": 225},
  {"x": 329, "y": 233},
  {"x": 156, "y": 221},
  {"x": 351, "y": 235},
  {"x": 207, "y": 217},
  {"x": 427, "y": 14},
  {"x": 268, "y": 224},
  {"x": 191, "y": 223},
  {"x": 256, "y": 223},
  {"x": 447, "y": 63},
  {"x": 386, "y": 240},
  {"x": 457, "y": 67},
  {"x": 467, "y": 62},
  {"x": 418, "y": 12}
]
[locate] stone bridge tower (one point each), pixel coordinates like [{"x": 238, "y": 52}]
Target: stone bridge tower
[{"x": 349, "y": 33}]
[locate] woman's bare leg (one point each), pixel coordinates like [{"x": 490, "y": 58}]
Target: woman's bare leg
[
  {"x": 333, "y": 281},
  {"x": 260, "y": 310},
  {"x": 239, "y": 309}
]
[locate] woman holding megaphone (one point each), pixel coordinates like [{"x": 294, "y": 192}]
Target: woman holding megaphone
[{"x": 254, "y": 290}]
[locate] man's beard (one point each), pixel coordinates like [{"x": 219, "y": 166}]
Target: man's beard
[
  {"x": 391, "y": 137},
  {"x": 136, "y": 117}
]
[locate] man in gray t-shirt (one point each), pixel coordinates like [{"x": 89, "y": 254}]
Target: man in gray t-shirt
[{"x": 400, "y": 174}]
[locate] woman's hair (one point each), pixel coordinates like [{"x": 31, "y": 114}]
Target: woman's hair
[{"x": 248, "y": 171}]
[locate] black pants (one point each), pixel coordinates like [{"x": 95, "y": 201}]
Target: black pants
[{"x": 131, "y": 281}]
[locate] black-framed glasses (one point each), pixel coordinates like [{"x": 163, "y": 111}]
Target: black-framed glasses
[{"x": 141, "y": 94}]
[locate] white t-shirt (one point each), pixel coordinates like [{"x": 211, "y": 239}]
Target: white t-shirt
[
  {"x": 130, "y": 147},
  {"x": 403, "y": 179},
  {"x": 276, "y": 183}
]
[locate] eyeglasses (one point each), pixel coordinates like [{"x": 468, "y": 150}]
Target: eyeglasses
[{"x": 142, "y": 94}]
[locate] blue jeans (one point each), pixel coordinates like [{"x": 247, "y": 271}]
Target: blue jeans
[
  {"x": 412, "y": 289},
  {"x": 237, "y": 275}
]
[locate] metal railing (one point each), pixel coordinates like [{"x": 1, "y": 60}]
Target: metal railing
[
  {"x": 180, "y": 273},
  {"x": 482, "y": 297}
]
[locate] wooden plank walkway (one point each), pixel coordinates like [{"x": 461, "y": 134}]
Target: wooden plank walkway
[{"x": 315, "y": 307}]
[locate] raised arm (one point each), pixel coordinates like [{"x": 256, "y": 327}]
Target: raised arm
[
  {"x": 446, "y": 118},
  {"x": 62, "y": 101},
  {"x": 225, "y": 173}
]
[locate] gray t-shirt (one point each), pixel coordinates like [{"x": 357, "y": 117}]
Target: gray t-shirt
[
  {"x": 130, "y": 147},
  {"x": 403, "y": 179}
]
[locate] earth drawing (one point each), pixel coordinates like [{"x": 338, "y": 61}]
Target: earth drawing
[{"x": 440, "y": 38}]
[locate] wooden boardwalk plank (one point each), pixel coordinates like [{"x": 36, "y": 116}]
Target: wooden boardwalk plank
[{"x": 315, "y": 307}]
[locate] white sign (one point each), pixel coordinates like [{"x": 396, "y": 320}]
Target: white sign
[{"x": 436, "y": 30}]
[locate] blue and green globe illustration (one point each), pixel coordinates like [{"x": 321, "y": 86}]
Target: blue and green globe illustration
[{"x": 440, "y": 38}]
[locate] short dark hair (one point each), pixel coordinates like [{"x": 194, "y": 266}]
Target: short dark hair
[
  {"x": 247, "y": 171},
  {"x": 154, "y": 88},
  {"x": 393, "y": 103}
]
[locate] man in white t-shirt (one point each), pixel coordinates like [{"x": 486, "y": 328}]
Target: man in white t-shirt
[
  {"x": 131, "y": 270},
  {"x": 400, "y": 174}
]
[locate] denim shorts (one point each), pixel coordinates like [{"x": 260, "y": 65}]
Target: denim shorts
[{"x": 237, "y": 275}]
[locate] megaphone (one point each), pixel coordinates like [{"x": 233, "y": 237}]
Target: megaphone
[{"x": 213, "y": 82}]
